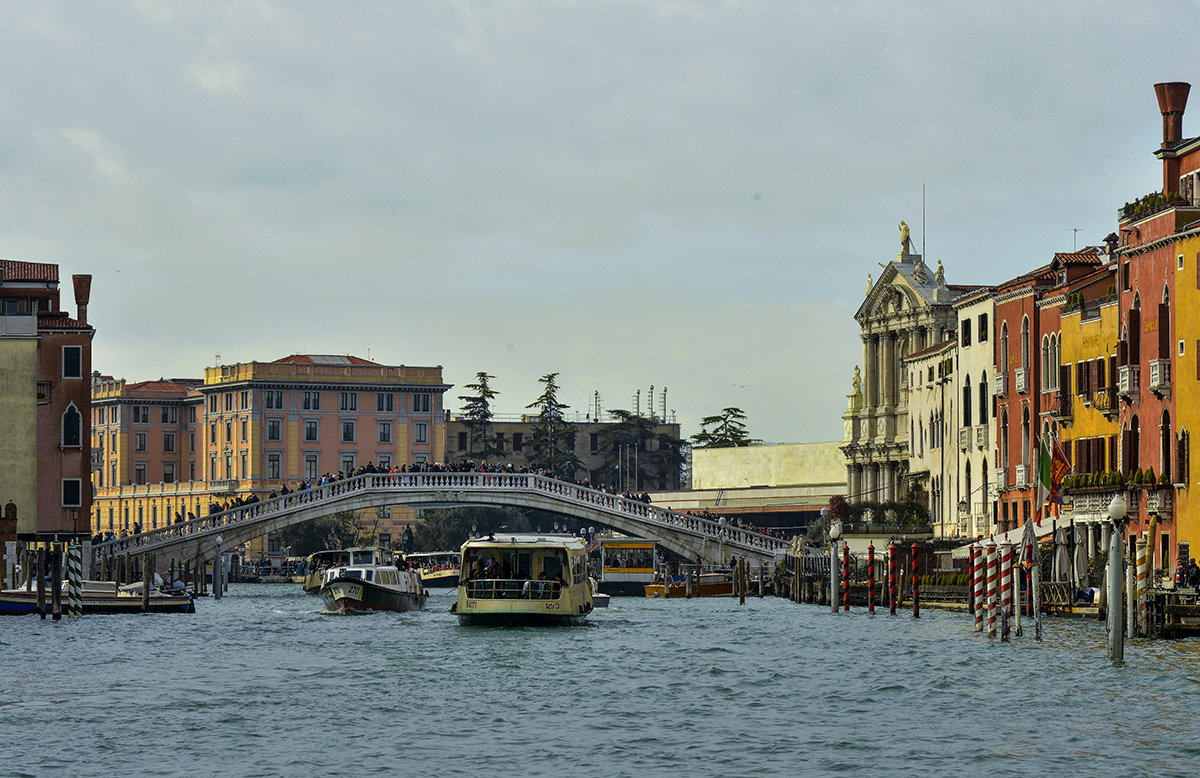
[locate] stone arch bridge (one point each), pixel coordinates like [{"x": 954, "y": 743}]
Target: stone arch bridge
[{"x": 688, "y": 536}]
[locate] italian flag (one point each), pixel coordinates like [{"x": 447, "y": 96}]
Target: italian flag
[{"x": 1053, "y": 467}]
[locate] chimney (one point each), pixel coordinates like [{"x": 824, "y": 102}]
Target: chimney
[
  {"x": 1172, "y": 99},
  {"x": 83, "y": 293}
]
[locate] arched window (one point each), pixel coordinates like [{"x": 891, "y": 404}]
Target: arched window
[
  {"x": 983, "y": 399},
  {"x": 967, "y": 486},
  {"x": 1025, "y": 343},
  {"x": 1165, "y": 438},
  {"x": 1004, "y": 440},
  {"x": 1134, "y": 443},
  {"x": 1004, "y": 347},
  {"x": 1046, "y": 361},
  {"x": 72, "y": 427},
  {"x": 1025, "y": 438},
  {"x": 966, "y": 403}
]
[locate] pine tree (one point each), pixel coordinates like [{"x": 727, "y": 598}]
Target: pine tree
[
  {"x": 553, "y": 437},
  {"x": 657, "y": 462},
  {"x": 728, "y": 430},
  {"x": 477, "y": 415}
]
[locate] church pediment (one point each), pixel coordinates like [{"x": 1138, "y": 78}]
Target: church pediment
[{"x": 902, "y": 286}]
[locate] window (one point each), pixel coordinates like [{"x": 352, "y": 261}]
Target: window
[
  {"x": 1181, "y": 348},
  {"x": 192, "y": 442},
  {"x": 192, "y": 470},
  {"x": 112, "y": 479},
  {"x": 462, "y": 441},
  {"x": 273, "y": 399},
  {"x": 245, "y": 430},
  {"x": 212, "y": 433},
  {"x": 72, "y": 357},
  {"x": 72, "y": 427},
  {"x": 192, "y": 414},
  {"x": 168, "y": 442},
  {"x": 212, "y": 468},
  {"x": 310, "y": 430},
  {"x": 347, "y": 432},
  {"x": 273, "y": 466},
  {"x": 385, "y": 461},
  {"x": 141, "y": 414},
  {"x": 228, "y": 431},
  {"x": 982, "y": 328},
  {"x": 500, "y": 441},
  {"x": 420, "y": 432},
  {"x": 168, "y": 472},
  {"x": 245, "y": 465},
  {"x": 164, "y": 415},
  {"x": 310, "y": 466},
  {"x": 385, "y": 432},
  {"x": 518, "y": 441},
  {"x": 228, "y": 401},
  {"x": 139, "y": 474},
  {"x": 384, "y": 402},
  {"x": 347, "y": 463},
  {"x": 966, "y": 333},
  {"x": 311, "y": 401},
  {"x": 212, "y": 404},
  {"x": 1179, "y": 262},
  {"x": 594, "y": 442},
  {"x": 348, "y": 401},
  {"x": 273, "y": 429},
  {"x": 244, "y": 400},
  {"x": 1025, "y": 342},
  {"x": 1004, "y": 346},
  {"x": 421, "y": 403},
  {"x": 72, "y": 492},
  {"x": 139, "y": 441}
]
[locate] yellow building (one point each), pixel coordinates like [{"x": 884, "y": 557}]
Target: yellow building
[{"x": 1186, "y": 384}]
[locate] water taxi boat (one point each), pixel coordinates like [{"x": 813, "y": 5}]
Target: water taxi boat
[
  {"x": 524, "y": 580},
  {"x": 439, "y": 569},
  {"x": 371, "y": 581},
  {"x": 317, "y": 564},
  {"x": 100, "y": 597},
  {"x": 711, "y": 585},
  {"x": 627, "y": 565}
]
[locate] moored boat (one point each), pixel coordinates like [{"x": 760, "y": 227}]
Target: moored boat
[
  {"x": 710, "y": 585},
  {"x": 627, "y": 565},
  {"x": 439, "y": 569},
  {"x": 524, "y": 580},
  {"x": 100, "y": 597},
  {"x": 371, "y": 581}
]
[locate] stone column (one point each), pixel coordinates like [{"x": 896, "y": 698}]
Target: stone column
[
  {"x": 888, "y": 373},
  {"x": 868, "y": 372}
]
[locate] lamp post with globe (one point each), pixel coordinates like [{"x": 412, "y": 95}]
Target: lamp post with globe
[
  {"x": 835, "y": 531},
  {"x": 1116, "y": 563}
]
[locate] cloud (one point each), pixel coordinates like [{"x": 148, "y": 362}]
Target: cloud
[{"x": 105, "y": 157}]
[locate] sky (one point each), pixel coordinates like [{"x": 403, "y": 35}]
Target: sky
[{"x": 630, "y": 194}]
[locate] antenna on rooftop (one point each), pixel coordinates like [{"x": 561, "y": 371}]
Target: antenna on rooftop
[
  {"x": 922, "y": 220},
  {"x": 1074, "y": 238}
]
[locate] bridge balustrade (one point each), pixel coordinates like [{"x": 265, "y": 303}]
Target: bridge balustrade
[{"x": 500, "y": 482}]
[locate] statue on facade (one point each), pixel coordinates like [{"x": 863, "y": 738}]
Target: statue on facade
[
  {"x": 857, "y": 381},
  {"x": 905, "y": 242},
  {"x": 919, "y": 274},
  {"x": 868, "y": 283},
  {"x": 940, "y": 275}
]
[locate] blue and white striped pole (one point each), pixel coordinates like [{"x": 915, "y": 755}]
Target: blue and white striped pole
[{"x": 74, "y": 579}]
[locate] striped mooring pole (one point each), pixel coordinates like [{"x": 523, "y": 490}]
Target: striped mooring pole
[
  {"x": 1029, "y": 580},
  {"x": 991, "y": 589},
  {"x": 892, "y": 577},
  {"x": 977, "y": 586},
  {"x": 74, "y": 579},
  {"x": 1143, "y": 583},
  {"x": 916, "y": 588},
  {"x": 871, "y": 577},
  {"x": 971, "y": 579},
  {"x": 1006, "y": 557}
]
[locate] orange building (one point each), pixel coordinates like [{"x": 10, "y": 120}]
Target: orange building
[
  {"x": 172, "y": 447},
  {"x": 45, "y": 402}
]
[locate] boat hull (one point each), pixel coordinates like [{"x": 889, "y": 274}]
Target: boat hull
[
  {"x": 677, "y": 590},
  {"x": 520, "y": 619},
  {"x": 21, "y": 603},
  {"x": 440, "y": 579},
  {"x": 355, "y": 596}
]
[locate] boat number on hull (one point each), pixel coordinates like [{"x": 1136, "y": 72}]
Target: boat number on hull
[{"x": 552, "y": 606}]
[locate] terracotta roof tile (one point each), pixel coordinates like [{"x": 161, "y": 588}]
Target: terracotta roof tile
[
  {"x": 324, "y": 359},
  {"x": 58, "y": 320},
  {"x": 11, "y": 270}
]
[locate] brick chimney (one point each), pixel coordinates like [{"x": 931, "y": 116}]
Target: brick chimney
[
  {"x": 83, "y": 293},
  {"x": 1172, "y": 99}
]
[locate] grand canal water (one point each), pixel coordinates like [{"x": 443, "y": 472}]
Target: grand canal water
[{"x": 264, "y": 684}]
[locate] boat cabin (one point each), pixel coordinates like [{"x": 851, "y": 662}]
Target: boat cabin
[{"x": 527, "y": 567}]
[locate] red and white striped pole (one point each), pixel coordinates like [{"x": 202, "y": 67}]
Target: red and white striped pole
[
  {"x": 892, "y": 577},
  {"x": 1029, "y": 580},
  {"x": 971, "y": 550},
  {"x": 871, "y": 577},
  {"x": 977, "y": 587},
  {"x": 846, "y": 577},
  {"x": 916, "y": 587},
  {"x": 991, "y": 589},
  {"x": 1006, "y": 557}
]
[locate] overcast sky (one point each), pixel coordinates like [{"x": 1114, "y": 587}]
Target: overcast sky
[{"x": 688, "y": 195}]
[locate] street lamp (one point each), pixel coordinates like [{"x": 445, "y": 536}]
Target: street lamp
[
  {"x": 1116, "y": 564},
  {"x": 835, "y": 531}
]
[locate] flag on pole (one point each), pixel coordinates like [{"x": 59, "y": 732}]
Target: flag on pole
[{"x": 1053, "y": 467}]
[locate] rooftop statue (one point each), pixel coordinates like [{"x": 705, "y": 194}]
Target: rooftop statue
[
  {"x": 868, "y": 283},
  {"x": 857, "y": 381},
  {"x": 905, "y": 242},
  {"x": 940, "y": 275}
]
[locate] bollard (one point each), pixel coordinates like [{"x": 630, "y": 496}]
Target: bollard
[
  {"x": 147, "y": 579},
  {"x": 846, "y": 577},
  {"x": 74, "y": 580},
  {"x": 1116, "y": 637},
  {"x": 977, "y": 586},
  {"x": 56, "y": 581},
  {"x": 1131, "y": 595},
  {"x": 1005, "y": 588},
  {"x": 834, "y": 584},
  {"x": 916, "y": 582},
  {"x": 991, "y": 589},
  {"x": 870, "y": 577},
  {"x": 39, "y": 569},
  {"x": 1143, "y": 570},
  {"x": 762, "y": 574},
  {"x": 1017, "y": 575},
  {"x": 741, "y": 581},
  {"x": 1029, "y": 579},
  {"x": 892, "y": 577},
  {"x": 971, "y": 551}
]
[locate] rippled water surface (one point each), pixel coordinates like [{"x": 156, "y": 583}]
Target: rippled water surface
[{"x": 264, "y": 683}]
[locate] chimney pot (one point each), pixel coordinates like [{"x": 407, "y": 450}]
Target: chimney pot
[
  {"x": 1172, "y": 100},
  {"x": 83, "y": 293}
]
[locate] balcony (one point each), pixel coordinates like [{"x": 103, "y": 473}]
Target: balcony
[
  {"x": 964, "y": 437},
  {"x": 1060, "y": 406},
  {"x": 223, "y": 487},
  {"x": 1021, "y": 380},
  {"x": 1160, "y": 376},
  {"x": 1001, "y": 385},
  {"x": 1105, "y": 400},
  {"x": 1002, "y": 478},
  {"x": 1022, "y": 476},
  {"x": 45, "y": 391},
  {"x": 1127, "y": 381},
  {"x": 981, "y": 436},
  {"x": 1158, "y": 501}
]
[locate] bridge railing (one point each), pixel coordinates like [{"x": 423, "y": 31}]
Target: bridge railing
[{"x": 500, "y": 482}]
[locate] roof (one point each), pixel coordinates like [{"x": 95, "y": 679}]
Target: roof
[
  {"x": 324, "y": 359},
  {"x": 549, "y": 540},
  {"x": 59, "y": 320},
  {"x": 161, "y": 386},
  {"x": 11, "y": 270},
  {"x": 936, "y": 347}
]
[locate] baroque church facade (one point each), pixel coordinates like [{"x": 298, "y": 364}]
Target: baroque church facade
[{"x": 908, "y": 311}]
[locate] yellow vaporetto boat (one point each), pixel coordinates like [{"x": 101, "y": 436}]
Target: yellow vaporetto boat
[
  {"x": 439, "y": 569},
  {"x": 524, "y": 579}
]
